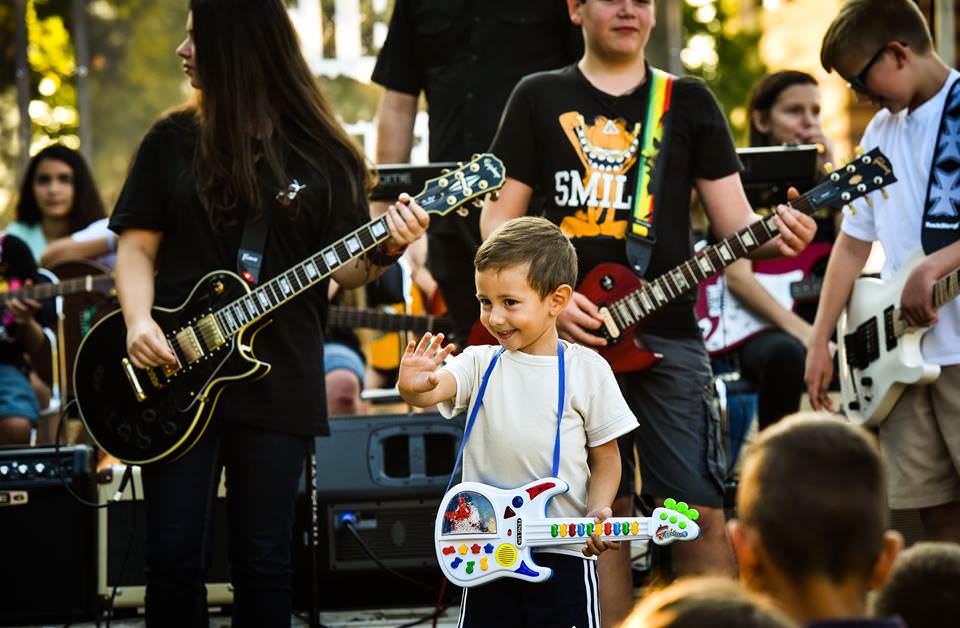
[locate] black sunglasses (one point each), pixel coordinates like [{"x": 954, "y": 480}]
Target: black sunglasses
[{"x": 859, "y": 82}]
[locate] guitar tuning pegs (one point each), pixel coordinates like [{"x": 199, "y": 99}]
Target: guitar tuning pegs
[
  {"x": 886, "y": 194},
  {"x": 495, "y": 195},
  {"x": 463, "y": 212},
  {"x": 828, "y": 167},
  {"x": 850, "y": 208},
  {"x": 858, "y": 151},
  {"x": 474, "y": 156},
  {"x": 445, "y": 171},
  {"x": 868, "y": 201},
  {"x": 477, "y": 202}
]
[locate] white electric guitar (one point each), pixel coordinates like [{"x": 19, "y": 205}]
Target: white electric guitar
[
  {"x": 879, "y": 352},
  {"x": 484, "y": 533}
]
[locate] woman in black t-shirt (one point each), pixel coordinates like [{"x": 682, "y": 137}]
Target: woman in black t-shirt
[{"x": 261, "y": 124}]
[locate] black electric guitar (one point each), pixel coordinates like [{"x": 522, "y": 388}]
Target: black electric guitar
[
  {"x": 344, "y": 317},
  {"x": 147, "y": 415}
]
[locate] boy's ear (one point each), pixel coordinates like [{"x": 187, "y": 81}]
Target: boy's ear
[
  {"x": 746, "y": 547},
  {"x": 892, "y": 544},
  {"x": 559, "y": 299},
  {"x": 901, "y": 53}
]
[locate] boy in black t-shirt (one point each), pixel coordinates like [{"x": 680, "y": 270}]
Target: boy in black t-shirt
[
  {"x": 20, "y": 333},
  {"x": 573, "y": 135}
]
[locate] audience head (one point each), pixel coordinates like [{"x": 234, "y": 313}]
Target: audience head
[
  {"x": 784, "y": 108},
  {"x": 812, "y": 508},
  {"x": 706, "y": 601},
  {"x": 924, "y": 588},
  {"x": 57, "y": 184}
]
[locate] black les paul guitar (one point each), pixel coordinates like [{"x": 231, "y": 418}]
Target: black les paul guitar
[{"x": 147, "y": 415}]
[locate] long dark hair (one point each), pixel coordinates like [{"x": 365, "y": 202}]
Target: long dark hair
[
  {"x": 764, "y": 96},
  {"x": 252, "y": 74},
  {"x": 87, "y": 204}
]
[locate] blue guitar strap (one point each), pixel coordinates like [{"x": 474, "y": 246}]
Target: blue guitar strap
[
  {"x": 941, "y": 211},
  {"x": 476, "y": 408}
]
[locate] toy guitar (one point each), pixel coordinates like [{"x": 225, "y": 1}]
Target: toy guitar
[
  {"x": 484, "y": 533},
  {"x": 880, "y": 353},
  {"x": 146, "y": 415},
  {"x": 624, "y": 300},
  {"x": 726, "y": 323}
]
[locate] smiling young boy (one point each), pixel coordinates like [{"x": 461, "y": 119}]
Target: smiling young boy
[{"x": 524, "y": 277}]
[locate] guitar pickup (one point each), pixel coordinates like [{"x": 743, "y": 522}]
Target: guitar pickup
[
  {"x": 189, "y": 345},
  {"x": 609, "y": 324},
  {"x": 210, "y": 332}
]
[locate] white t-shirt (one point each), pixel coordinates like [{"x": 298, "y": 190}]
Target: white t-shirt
[
  {"x": 94, "y": 231},
  {"x": 513, "y": 437},
  {"x": 908, "y": 139}
]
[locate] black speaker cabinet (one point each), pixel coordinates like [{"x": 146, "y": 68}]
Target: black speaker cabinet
[
  {"x": 387, "y": 474},
  {"x": 48, "y": 539},
  {"x": 123, "y": 524}
]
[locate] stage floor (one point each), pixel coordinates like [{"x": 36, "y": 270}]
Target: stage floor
[{"x": 382, "y": 618}]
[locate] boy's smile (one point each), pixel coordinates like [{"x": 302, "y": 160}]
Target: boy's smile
[{"x": 515, "y": 314}]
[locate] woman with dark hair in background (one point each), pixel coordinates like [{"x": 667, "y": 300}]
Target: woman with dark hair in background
[
  {"x": 784, "y": 109},
  {"x": 261, "y": 128},
  {"x": 59, "y": 213}
]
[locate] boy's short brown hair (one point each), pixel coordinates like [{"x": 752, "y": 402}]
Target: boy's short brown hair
[
  {"x": 924, "y": 586},
  {"x": 862, "y": 27},
  {"x": 813, "y": 488},
  {"x": 535, "y": 241},
  {"x": 706, "y": 601}
]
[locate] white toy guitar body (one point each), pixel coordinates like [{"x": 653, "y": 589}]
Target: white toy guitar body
[{"x": 483, "y": 533}]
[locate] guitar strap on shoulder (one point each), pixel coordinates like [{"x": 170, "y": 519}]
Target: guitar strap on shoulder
[
  {"x": 651, "y": 170},
  {"x": 252, "y": 243},
  {"x": 941, "y": 210}
]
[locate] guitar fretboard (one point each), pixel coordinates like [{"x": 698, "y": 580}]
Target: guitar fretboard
[
  {"x": 946, "y": 288},
  {"x": 652, "y": 296},
  {"x": 272, "y": 294},
  {"x": 39, "y": 292},
  {"x": 346, "y": 317}
]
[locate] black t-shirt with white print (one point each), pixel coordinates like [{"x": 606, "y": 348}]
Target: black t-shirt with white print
[
  {"x": 160, "y": 194},
  {"x": 577, "y": 146}
]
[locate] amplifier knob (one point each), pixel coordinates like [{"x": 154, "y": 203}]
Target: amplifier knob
[
  {"x": 22, "y": 469},
  {"x": 4, "y": 469},
  {"x": 39, "y": 468}
]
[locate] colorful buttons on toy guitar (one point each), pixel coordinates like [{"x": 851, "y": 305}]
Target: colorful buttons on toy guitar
[
  {"x": 484, "y": 563},
  {"x": 456, "y": 562},
  {"x": 449, "y": 550},
  {"x": 463, "y": 549},
  {"x": 581, "y": 529},
  {"x": 533, "y": 491},
  {"x": 488, "y": 548},
  {"x": 517, "y": 501},
  {"x": 508, "y": 512},
  {"x": 475, "y": 548},
  {"x": 526, "y": 571}
]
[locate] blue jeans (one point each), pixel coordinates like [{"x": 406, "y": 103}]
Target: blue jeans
[{"x": 262, "y": 472}]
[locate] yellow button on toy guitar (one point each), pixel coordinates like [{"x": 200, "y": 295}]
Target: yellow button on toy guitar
[
  {"x": 506, "y": 555},
  {"x": 462, "y": 549}
]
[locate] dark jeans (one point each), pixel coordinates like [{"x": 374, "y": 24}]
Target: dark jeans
[
  {"x": 774, "y": 361},
  {"x": 262, "y": 472}
]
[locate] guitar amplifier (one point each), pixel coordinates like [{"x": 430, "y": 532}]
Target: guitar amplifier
[
  {"x": 123, "y": 524},
  {"x": 48, "y": 539},
  {"x": 385, "y": 473}
]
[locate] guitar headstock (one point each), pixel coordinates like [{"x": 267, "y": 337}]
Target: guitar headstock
[
  {"x": 867, "y": 173},
  {"x": 674, "y": 521},
  {"x": 470, "y": 182}
]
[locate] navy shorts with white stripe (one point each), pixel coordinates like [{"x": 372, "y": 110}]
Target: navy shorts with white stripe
[{"x": 567, "y": 600}]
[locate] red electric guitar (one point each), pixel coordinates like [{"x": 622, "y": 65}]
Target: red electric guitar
[
  {"x": 726, "y": 323},
  {"x": 625, "y": 301}
]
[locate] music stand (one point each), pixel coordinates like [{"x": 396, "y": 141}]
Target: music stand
[
  {"x": 769, "y": 170},
  {"x": 392, "y": 179}
]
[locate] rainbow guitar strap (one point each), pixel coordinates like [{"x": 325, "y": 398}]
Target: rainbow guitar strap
[{"x": 651, "y": 168}]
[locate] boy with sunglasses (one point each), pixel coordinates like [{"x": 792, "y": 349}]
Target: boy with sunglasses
[{"x": 884, "y": 49}]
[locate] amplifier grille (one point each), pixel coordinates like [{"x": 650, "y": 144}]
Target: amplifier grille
[{"x": 400, "y": 534}]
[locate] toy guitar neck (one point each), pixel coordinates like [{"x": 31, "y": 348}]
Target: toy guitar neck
[
  {"x": 555, "y": 531},
  {"x": 483, "y": 533}
]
